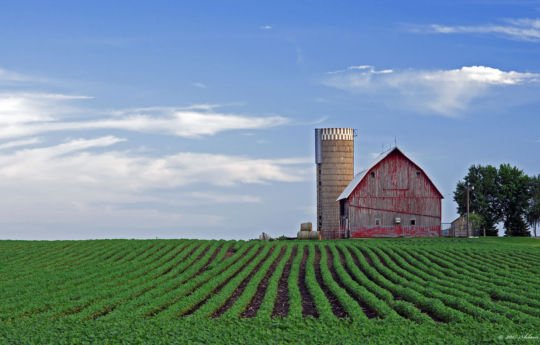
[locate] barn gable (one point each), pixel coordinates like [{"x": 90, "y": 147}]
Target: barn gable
[
  {"x": 393, "y": 197},
  {"x": 362, "y": 174}
]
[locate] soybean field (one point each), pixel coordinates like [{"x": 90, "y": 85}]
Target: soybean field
[{"x": 215, "y": 291}]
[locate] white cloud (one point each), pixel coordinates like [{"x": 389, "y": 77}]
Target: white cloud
[
  {"x": 19, "y": 143},
  {"x": 23, "y": 114},
  {"x": 25, "y": 108},
  {"x": 111, "y": 170},
  {"x": 445, "y": 92},
  {"x": 365, "y": 68},
  {"x": 104, "y": 183},
  {"x": 523, "y": 29},
  {"x": 86, "y": 178},
  {"x": 200, "y": 85},
  {"x": 216, "y": 198},
  {"x": 265, "y": 27},
  {"x": 12, "y": 76}
]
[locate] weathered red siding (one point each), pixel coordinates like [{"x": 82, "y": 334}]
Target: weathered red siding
[{"x": 395, "y": 187}]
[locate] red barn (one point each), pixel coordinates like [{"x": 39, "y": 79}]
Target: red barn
[{"x": 392, "y": 198}]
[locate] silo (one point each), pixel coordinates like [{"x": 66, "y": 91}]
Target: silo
[{"x": 334, "y": 159}]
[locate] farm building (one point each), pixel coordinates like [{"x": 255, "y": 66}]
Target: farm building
[
  {"x": 459, "y": 227},
  {"x": 394, "y": 197},
  {"x": 334, "y": 158}
]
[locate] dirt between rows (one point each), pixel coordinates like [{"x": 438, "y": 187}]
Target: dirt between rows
[
  {"x": 281, "y": 304},
  {"x": 256, "y": 301},
  {"x": 188, "y": 294},
  {"x": 396, "y": 297},
  {"x": 330, "y": 262},
  {"x": 240, "y": 289},
  {"x": 308, "y": 306},
  {"x": 337, "y": 308},
  {"x": 222, "y": 285}
]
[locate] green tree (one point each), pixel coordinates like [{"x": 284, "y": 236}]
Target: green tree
[
  {"x": 514, "y": 197},
  {"x": 533, "y": 213},
  {"x": 484, "y": 199},
  {"x": 476, "y": 224}
]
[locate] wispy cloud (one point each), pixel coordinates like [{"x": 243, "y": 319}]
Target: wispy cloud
[
  {"x": 108, "y": 182},
  {"x": 265, "y": 27},
  {"x": 366, "y": 69},
  {"x": 87, "y": 177},
  {"x": 19, "y": 143},
  {"x": 522, "y": 29},
  {"x": 216, "y": 198},
  {"x": 200, "y": 85},
  {"x": 24, "y": 114},
  {"x": 76, "y": 161},
  {"x": 445, "y": 92},
  {"x": 12, "y": 76}
]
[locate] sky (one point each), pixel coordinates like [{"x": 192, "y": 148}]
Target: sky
[{"x": 132, "y": 119}]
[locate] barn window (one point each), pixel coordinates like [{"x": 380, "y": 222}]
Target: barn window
[
  {"x": 417, "y": 173},
  {"x": 372, "y": 174},
  {"x": 413, "y": 221},
  {"x": 377, "y": 221}
]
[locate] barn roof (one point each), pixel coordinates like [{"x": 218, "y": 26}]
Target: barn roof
[{"x": 360, "y": 176}]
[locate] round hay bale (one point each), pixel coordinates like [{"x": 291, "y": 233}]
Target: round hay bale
[
  {"x": 314, "y": 235},
  {"x": 306, "y": 227},
  {"x": 303, "y": 235}
]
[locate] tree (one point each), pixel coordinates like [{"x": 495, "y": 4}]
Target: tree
[
  {"x": 533, "y": 213},
  {"x": 476, "y": 223},
  {"x": 514, "y": 196},
  {"x": 484, "y": 200}
]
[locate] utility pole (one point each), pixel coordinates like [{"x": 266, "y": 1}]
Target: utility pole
[
  {"x": 468, "y": 232},
  {"x": 469, "y": 188}
]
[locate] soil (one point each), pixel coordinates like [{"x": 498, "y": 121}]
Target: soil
[
  {"x": 222, "y": 285},
  {"x": 380, "y": 259},
  {"x": 177, "y": 253},
  {"x": 256, "y": 301},
  {"x": 188, "y": 294},
  {"x": 366, "y": 256},
  {"x": 187, "y": 256},
  {"x": 240, "y": 289},
  {"x": 158, "y": 257},
  {"x": 149, "y": 253},
  {"x": 281, "y": 304},
  {"x": 398, "y": 298},
  {"x": 337, "y": 309},
  {"x": 330, "y": 262},
  {"x": 230, "y": 252},
  {"x": 212, "y": 258},
  {"x": 308, "y": 307}
]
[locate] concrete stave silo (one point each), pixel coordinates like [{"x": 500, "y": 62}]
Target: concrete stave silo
[{"x": 334, "y": 159}]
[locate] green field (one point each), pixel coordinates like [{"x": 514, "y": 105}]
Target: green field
[{"x": 447, "y": 291}]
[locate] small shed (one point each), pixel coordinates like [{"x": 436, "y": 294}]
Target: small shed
[
  {"x": 459, "y": 227},
  {"x": 393, "y": 197}
]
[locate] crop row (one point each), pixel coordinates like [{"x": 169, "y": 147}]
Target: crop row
[{"x": 394, "y": 280}]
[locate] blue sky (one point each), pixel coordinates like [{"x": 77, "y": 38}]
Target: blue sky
[{"x": 176, "y": 119}]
